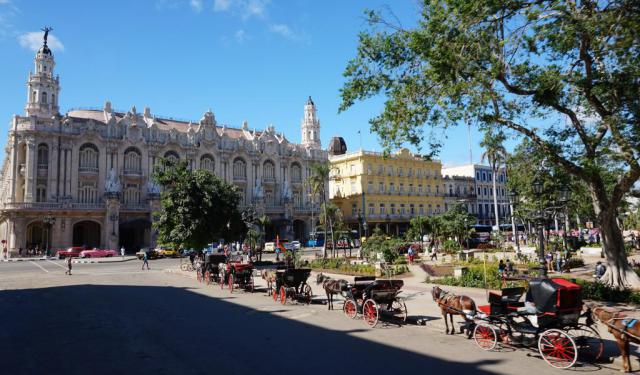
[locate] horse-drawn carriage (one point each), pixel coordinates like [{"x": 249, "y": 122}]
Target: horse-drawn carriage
[
  {"x": 549, "y": 318},
  {"x": 208, "y": 270},
  {"x": 291, "y": 283},
  {"x": 234, "y": 273},
  {"x": 371, "y": 297}
]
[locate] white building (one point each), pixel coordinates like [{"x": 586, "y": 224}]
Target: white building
[
  {"x": 83, "y": 178},
  {"x": 484, "y": 203}
]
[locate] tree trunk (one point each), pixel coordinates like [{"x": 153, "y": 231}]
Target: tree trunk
[
  {"x": 495, "y": 198},
  {"x": 324, "y": 243},
  {"x": 619, "y": 273}
]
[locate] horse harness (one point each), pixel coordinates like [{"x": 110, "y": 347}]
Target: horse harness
[
  {"x": 626, "y": 321},
  {"x": 445, "y": 299}
]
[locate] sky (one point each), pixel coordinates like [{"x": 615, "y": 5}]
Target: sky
[{"x": 253, "y": 60}]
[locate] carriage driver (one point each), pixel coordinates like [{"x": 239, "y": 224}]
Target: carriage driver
[{"x": 530, "y": 309}]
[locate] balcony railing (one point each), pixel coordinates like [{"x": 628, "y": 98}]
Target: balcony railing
[
  {"x": 88, "y": 169},
  {"x": 133, "y": 172}
]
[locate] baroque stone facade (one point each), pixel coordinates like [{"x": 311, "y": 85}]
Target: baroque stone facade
[{"x": 83, "y": 178}]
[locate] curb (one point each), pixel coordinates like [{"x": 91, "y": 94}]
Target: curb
[
  {"x": 101, "y": 261},
  {"x": 23, "y": 260}
]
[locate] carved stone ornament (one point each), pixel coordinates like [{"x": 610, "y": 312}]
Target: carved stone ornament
[{"x": 112, "y": 185}]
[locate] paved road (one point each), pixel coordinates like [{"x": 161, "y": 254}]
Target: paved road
[{"x": 116, "y": 319}]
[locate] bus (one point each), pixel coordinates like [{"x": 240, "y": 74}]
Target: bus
[{"x": 316, "y": 239}]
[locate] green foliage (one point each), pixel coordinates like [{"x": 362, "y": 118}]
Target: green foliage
[
  {"x": 451, "y": 246},
  {"x": 451, "y": 224},
  {"x": 197, "y": 207},
  {"x": 599, "y": 292},
  {"x": 343, "y": 266},
  {"x": 418, "y": 226},
  {"x": 380, "y": 244},
  {"x": 474, "y": 277}
]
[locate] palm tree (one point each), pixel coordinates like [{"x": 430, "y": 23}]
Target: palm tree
[
  {"x": 496, "y": 155},
  {"x": 318, "y": 181},
  {"x": 263, "y": 221}
]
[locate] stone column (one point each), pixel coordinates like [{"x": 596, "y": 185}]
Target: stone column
[
  {"x": 112, "y": 219},
  {"x": 52, "y": 171},
  {"x": 30, "y": 170}
]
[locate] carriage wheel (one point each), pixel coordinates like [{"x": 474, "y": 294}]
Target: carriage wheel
[
  {"x": 230, "y": 283},
  {"x": 274, "y": 293},
  {"x": 307, "y": 293},
  {"x": 199, "y": 276},
  {"x": 590, "y": 344},
  {"x": 557, "y": 348},
  {"x": 207, "y": 277},
  {"x": 485, "y": 336},
  {"x": 399, "y": 309},
  {"x": 370, "y": 312},
  {"x": 283, "y": 295},
  {"x": 350, "y": 309}
]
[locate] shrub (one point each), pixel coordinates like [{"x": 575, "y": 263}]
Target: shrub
[
  {"x": 601, "y": 292},
  {"x": 485, "y": 246},
  {"x": 400, "y": 260},
  {"x": 451, "y": 246},
  {"x": 574, "y": 262}
]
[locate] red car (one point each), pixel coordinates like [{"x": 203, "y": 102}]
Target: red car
[
  {"x": 98, "y": 253},
  {"x": 72, "y": 252}
]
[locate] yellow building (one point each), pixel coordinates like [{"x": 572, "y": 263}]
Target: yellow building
[{"x": 385, "y": 192}]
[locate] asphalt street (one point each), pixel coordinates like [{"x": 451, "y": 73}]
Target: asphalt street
[{"x": 114, "y": 318}]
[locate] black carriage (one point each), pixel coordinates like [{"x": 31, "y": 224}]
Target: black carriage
[
  {"x": 291, "y": 283},
  {"x": 209, "y": 271},
  {"x": 548, "y": 319},
  {"x": 236, "y": 273},
  {"x": 371, "y": 298}
]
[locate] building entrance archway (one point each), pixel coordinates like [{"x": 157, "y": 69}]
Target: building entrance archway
[
  {"x": 36, "y": 235},
  {"x": 298, "y": 230},
  {"x": 135, "y": 234},
  {"x": 87, "y": 234}
]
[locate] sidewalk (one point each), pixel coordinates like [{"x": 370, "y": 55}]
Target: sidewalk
[{"x": 75, "y": 260}]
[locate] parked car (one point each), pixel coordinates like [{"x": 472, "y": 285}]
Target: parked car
[
  {"x": 151, "y": 253},
  {"x": 98, "y": 253},
  {"x": 168, "y": 253},
  {"x": 270, "y": 247},
  {"x": 72, "y": 252},
  {"x": 296, "y": 245}
]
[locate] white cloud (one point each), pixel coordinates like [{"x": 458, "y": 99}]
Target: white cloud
[
  {"x": 221, "y": 5},
  {"x": 33, "y": 41},
  {"x": 286, "y": 32},
  {"x": 240, "y": 36},
  {"x": 3, "y": 2},
  {"x": 257, "y": 8},
  {"x": 196, "y": 5}
]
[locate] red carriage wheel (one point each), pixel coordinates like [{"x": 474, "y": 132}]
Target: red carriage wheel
[
  {"x": 590, "y": 344},
  {"x": 557, "y": 348},
  {"x": 274, "y": 293},
  {"x": 207, "y": 277},
  {"x": 399, "y": 309},
  {"x": 370, "y": 312},
  {"x": 307, "y": 293},
  {"x": 283, "y": 295},
  {"x": 230, "y": 283},
  {"x": 485, "y": 336},
  {"x": 350, "y": 309}
]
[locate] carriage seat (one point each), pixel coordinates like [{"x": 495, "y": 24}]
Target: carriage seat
[{"x": 525, "y": 327}]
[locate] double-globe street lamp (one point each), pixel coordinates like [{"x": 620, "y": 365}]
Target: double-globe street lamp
[
  {"x": 48, "y": 220},
  {"x": 541, "y": 216}
]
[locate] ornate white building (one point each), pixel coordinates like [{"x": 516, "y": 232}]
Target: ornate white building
[{"x": 83, "y": 178}]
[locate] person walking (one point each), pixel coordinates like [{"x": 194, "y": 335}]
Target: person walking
[
  {"x": 411, "y": 255},
  {"x": 145, "y": 260},
  {"x": 4, "y": 250},
  {"x": 501, "y": 268},
  {"x": 558, "y": 261},
  {"x": 68, "y": 271},
  {"x": 122, "y": 251},
  {"x": 550, "y": 261}
]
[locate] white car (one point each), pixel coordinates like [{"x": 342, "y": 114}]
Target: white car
[
  {"x": 270, "y": 247},
  {"x": 296, "y": 245}
]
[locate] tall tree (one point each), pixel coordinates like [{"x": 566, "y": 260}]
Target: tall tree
[
  {"x": 495, "y": 154},
  {"x": 563, "y": 74},
  {"x": 263, "y": 221},
  {"x": 318, "y": 180},
  {"x": 198, "y": 208}
]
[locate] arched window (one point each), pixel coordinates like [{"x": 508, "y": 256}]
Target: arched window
[
  {"x": 34, "y": 96},
  {"x": 239, "y": 169},
  {"x": 207, "y": 163},
  {"x": 269, "y": 171},
  {"x": 89, "y": 158},
  {"x": 172, "y": 157},
  {"x": 44, "y": 98},
  {"x": 296, "y": 173},
  {"x": 43, "y": 156},
  {"x": 53, "y": 99},
  {"x": 132, "y": 161}
]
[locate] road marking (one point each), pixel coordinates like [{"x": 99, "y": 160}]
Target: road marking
[
  {"x": 52, "y": 262},
  {"x": 39, "y": 266}
]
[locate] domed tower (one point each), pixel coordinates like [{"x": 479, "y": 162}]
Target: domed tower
[
  {"x": 337, "y": 146},
  {"x": 43, "y": 88},
  {"x": 310, "y": 126}
]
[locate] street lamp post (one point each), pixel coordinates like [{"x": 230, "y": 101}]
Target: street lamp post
[
  {"x": 360, "y": 220},
  {"x": 48, "y": 221},
  {"x": 466, "y": 227},
  {"x": 538, "y": 189},
  {"x": 113, "y": 218},
  {"x": 565, "y": 194},
  {"x": 513, "y": 195}
]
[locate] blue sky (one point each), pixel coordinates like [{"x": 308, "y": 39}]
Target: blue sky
[{"x": 254, "y": 60}]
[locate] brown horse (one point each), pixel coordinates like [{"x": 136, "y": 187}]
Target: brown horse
[
  {"x": 451, "y": 304},
  {"x": 269, "y": 275},
  {"x": 624, "y": 328},
  {"x": 331, "y": 287}
]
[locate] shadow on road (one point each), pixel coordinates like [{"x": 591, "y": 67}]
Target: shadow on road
[{"x": 100, "y": 329}]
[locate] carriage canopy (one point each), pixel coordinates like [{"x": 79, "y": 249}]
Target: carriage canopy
[{"x": 555, "y": 295}]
